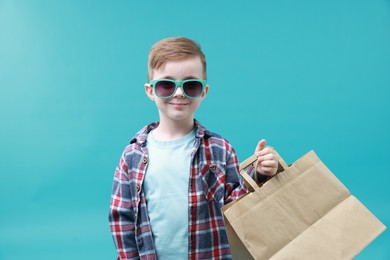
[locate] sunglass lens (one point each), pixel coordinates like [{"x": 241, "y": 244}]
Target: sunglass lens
[
  {"x": 165, "y": 88},
  {"x": 193, "y": 88}
]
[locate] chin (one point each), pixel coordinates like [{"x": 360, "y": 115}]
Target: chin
[{"x": 180, "y": 116}]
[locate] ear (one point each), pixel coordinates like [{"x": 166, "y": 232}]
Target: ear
[
  {"x": 205, "y": 91},
  {"x": 149, "y": 91}
]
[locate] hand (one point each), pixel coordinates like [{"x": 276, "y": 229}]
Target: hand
[{"x": 267, "y": 162}]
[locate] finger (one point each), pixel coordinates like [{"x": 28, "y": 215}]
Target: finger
[
  {"x": 269, "y": 163},
  {"x": 266, "y": 157},
  {"x": 260, "y": 146},
  {"x": 266, "y": 150},
  {"x": 269, "y": 171}
]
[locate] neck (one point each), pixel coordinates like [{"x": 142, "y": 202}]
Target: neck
[{"x": 173, "y": 129}]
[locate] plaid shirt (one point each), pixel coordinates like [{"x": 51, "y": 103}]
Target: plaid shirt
[{"x": 214, "y": 182}]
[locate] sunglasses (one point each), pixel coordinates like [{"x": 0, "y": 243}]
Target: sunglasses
[{"x": 166, "y": 88}]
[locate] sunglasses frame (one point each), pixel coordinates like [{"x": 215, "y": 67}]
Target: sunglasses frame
[{"x": 178, "y": 83}]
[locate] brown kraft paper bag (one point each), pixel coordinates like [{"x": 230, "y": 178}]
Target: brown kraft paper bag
[{"x": 304, "y": 212}]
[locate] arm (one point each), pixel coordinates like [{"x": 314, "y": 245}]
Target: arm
[
  {"x": 121, "y": 215},
  {"x": 234, "y": 185}
]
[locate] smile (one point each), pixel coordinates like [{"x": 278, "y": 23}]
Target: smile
[{"x": 178, "y": 104}]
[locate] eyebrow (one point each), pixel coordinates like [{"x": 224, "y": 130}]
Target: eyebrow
[{"x": 189, "y": 77}]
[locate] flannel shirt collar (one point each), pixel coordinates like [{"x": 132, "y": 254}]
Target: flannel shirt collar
[{"x": 141, "y": 136}]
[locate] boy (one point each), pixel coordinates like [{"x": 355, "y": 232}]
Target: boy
[{"x": 175, "y": 175}]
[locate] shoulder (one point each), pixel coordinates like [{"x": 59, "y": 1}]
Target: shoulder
[
  {"x": 217, "y": 141},
  {"x": 139, "y": 140},
  {"x": 213, "y": 140},
  {"x": 141, "y": 136}
]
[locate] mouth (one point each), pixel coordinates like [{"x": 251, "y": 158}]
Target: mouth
[{"x": 178, "y": 104}]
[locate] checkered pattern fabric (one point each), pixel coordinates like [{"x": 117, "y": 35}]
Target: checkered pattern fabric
[{"x": 214, "y": 181}]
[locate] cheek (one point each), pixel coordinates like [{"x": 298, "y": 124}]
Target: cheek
[
  {"x": 159, "y": 103},
  {"x": 195, "y": 104}
]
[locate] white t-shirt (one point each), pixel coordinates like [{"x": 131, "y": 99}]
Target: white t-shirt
[{"x": 166, "y": 190}]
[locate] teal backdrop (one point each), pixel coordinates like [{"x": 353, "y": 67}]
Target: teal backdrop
[{"x": 302, "y": 74}]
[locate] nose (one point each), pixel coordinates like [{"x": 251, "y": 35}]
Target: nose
[{"x": 179, "y": 92}]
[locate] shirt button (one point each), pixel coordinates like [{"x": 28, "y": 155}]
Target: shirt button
[
  {"x": 213, "y": 167},
  {"x": 145, "y": 161},
  {"x": 138, "y": 188}
]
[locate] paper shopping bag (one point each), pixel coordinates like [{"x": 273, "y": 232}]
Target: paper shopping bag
[{"x": 304, "y": 212}]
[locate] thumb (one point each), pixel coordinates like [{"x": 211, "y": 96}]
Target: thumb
[{"x": 261, "y": 145}]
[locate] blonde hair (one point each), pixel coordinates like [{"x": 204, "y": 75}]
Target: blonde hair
[{"x": 174, "y": 49}]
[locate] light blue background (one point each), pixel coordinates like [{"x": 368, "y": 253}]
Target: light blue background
[{"x": 302, "y": 74}]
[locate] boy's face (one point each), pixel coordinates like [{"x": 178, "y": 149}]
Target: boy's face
[{"x": 178, "y": 107}]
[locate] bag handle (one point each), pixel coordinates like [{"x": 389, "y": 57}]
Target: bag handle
[{"x": 250, "y": 183}]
